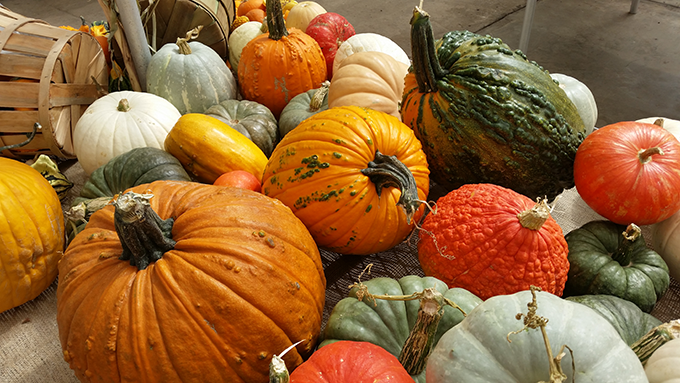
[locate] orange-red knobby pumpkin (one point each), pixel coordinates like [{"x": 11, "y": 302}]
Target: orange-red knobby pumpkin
[
  {"x": 242, "y": 281},
  {"x": 277, "y": 66},
  {"x": 351, "y": 175}
]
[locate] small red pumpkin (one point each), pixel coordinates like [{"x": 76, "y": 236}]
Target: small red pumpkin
[
  {"x": 492, "y": 241},
  {"x": 330, "y": 30},
  {"x": 629, "y": 172},
  {"x": 240, "y": 179},
  {"x": 348, "y": 361}
]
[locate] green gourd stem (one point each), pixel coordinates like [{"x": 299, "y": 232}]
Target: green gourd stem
[
  {"x": 183, "y": 42},
  {"x": 425, "y": 62},
  {"x": 144, "y": 236},
  {"x": 655, "y": 338},
  {"x": 386, "y": 171},
  {"x": 30, "y": 136},
  {"x": 276, "y": 24},
  {"x": 419, "y": 344},
  {"x": 278, "y": 372},
  {"x": 646, "y": 155},
  {"x": 318, "y": 97},
  {"x": 624, "y": 252},
  {"x": 535, "y": 217},
  {"x": 123, "y": 105}
]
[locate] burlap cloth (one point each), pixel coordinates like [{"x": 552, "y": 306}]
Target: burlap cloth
[{"x": 29, "y": 343}]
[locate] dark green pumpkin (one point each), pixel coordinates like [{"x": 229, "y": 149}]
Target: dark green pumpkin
[
  {"x": 630, "y": 322},
  {"x": 251, "y": 119},
  {"x": 486, "y": 114},
  {"x": 303, "y": 106},
  {"x": 603, "y": 261},
  {"x": 388, "y": 323}
]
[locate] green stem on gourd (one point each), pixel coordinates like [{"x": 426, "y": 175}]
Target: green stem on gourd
[
  {"x": 318, "y": 96},
  {"x": 425, "y": 62},
  {"x": 144, "y": 236},
  {"x": 623, "y": 253},
  {"x": 183, "y": 42},
  {"x": 655, "y": 338},
  {"x": 123, "y": 105},
  {"x": 646, "y": 155},
  {"x": 276, "y": 24},
  {"x": 386, "y": 171},
  {"x": 535, "y": 217},
  {"x": 418, "y": 346},
  {"x": 533, "y": 321},
  {"x": 278, "y": 372}
]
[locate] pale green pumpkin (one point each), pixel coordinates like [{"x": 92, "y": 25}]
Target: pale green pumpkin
[
  {"x": 303, "y": 106},
  {"x": 191, "y": 75}
]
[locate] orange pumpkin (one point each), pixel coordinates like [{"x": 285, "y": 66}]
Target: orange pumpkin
[
  {"x": 213, "y": 283},
  {"x": 248, "y": 5},
  {"x": 277, "y": 66},
  {"x": 355, "y": 177}
]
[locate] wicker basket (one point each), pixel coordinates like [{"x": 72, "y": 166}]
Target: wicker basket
[
  {"x": 48, "y": 75},
  {"x": 169, "y": 19}
]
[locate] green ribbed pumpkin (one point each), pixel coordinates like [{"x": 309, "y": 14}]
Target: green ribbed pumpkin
[
  {"x": 191, "y": 75},
  {"x": 303, "y": 106},
  {"x": 486, "y": 114}
]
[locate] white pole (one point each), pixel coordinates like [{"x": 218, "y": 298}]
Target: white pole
[
  {"x": 526, "y": 27},
  {"x": 136, "y": 38}
]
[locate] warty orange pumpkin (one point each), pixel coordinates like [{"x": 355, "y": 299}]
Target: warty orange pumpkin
[
  {"x": 187, "y": 282},
  {"x": 277, "y": 66},
  {"x": 354, "y": 176}
]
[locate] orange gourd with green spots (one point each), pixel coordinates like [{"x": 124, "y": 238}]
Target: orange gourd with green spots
[
  {"x": 354, "y": 176},
  {"x": 492, "y": 241}
]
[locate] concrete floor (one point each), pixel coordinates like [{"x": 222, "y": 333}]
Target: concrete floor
[{"x": 631, "y": 62}]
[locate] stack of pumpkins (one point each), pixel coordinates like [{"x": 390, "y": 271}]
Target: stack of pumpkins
[{"x": 194, "y": 246}]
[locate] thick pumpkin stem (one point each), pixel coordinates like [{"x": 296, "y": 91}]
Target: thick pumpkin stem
[
  {"x": 145, "y": 237},
  {"x": 425, "y": 62},
  {"x": 535, "y": 217},
  {"x": 655, "y": 338},
  {"x": 183, "y": 42},
  {"x": 276, "y": 24},
  {"x": 123, "y": 105},
  {"x": 385, "y": 171},
  {"x": 646, "y": 155},
  {"x": 623, "y": 253},
  {"x": 418, "y": 345},
  {"x": 318, "y": 97},
  {"x": 278, "y": 372}
]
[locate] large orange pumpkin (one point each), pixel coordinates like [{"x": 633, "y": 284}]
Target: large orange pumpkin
[
  {"x": 31, "y": 233},
  {"x": 277, "y": 66},
  {"x": 355, "y": 177},
  {"x": 224, "y": 278}
]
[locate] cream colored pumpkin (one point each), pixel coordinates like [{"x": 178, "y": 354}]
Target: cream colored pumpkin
[
  {"x": 666, "y": 234},
  {"x": 369, "y": 79},
  {"x": 302, "y": 13},
  {"x": 239, "y": 38},
  {"x": 581, "y": 96},
  {"x": 369, "y": 42},
  {"x": 664, "y": 364},
  {"x": 119, "y": 122}
]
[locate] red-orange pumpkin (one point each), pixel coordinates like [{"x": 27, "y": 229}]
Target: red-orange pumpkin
[
  {"x": 277, "y": 66},
  {"x": 355, "y": 177},
  {"x": 629, "y": 172},
  {"x": 492, "y": 241},
  {"x": 351, "y": 362},
  {"x": 233, "y": 279}
]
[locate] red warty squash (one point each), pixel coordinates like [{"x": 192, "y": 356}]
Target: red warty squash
[
  {"x": 188, "y": 283},
  {"x": 629, "y": 172},
  {"x": 491, "y": 241}
]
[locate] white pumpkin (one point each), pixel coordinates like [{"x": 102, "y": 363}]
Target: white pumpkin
[
  {"x": 666, "y": 234},
  {"x": 239, "y": 38},
  {"x": 119, "y": 122},
  {"x": 664, "y": 364},
  {"x": 302, "y": 13},
  {"x": 581, "y": 96},
  {"x": 191, "y": 75},
  {"x": 369, "y": 42}
]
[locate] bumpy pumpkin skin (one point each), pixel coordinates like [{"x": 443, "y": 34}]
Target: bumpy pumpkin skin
[
  {"x": 243, "y": 282},
  {"x": 31, "y": 233},
  {"x": 316, "y": 171},
  {"x": 478, "y": 351},
  {"x": 351, "y": 362},
  {"x": 495, "y": 117},
  {"x": 476, "y": 241},
  {"x": 388, "y": 323}
]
